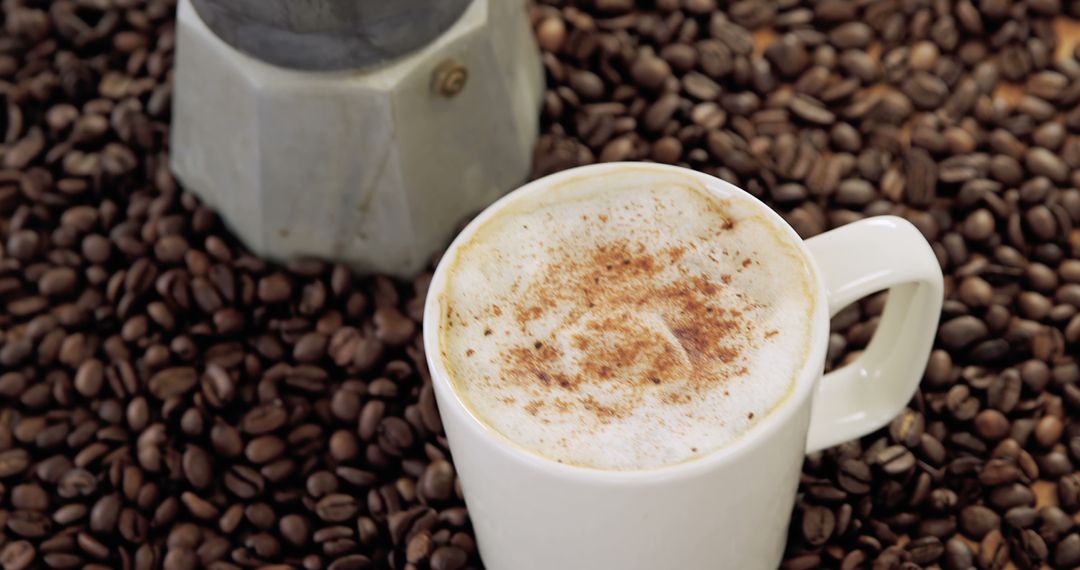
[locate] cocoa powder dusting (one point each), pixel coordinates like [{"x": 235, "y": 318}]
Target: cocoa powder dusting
[{"x": 629, "y": 316}]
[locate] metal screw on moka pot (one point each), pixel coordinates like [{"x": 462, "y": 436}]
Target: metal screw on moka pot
[
  {"x": 449, "y": 78},
  {"x": 361, "y": 131}
]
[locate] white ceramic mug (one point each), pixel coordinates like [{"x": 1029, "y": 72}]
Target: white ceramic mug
[{"x": 730, "y": 508}]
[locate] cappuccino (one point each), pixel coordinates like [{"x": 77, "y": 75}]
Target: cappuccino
[{"x": 626, "y": 321}]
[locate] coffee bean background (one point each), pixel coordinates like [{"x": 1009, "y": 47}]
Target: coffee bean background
[{"x": 167, "y": 400}]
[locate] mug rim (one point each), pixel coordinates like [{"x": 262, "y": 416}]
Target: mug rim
[{"x": 776, "y": 419}]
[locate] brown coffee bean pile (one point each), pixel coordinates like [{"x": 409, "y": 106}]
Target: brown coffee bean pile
[
  {"x": 961, "y": 116},
  {"x": 169, "y": 401}
]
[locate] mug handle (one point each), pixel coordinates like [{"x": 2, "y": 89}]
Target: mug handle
[{"x": 854, "y": 261}]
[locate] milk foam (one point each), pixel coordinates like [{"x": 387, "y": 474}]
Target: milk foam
[{"x": 627, "y": 321}]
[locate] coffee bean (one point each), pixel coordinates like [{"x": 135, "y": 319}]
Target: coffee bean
[
  {"x": 92, "y": 546},
  {"x": 351, "y": 562},
  {"x": 976, "y": 521},
  {"x": 1067, "y": 552},
  {"x": 1055, "y": 524},
  {"x": 198, "y": 507},
  {"x": 1029, "y": 549},
  {"x": 991, "y": 425},
  {"x": 788, "y": 56},
  {"x": 999, "y": 471},
  {"x": 264, "y": 419},
  {"x": 336, "y": 508},
  {"x": 274, "y": 288},
  {"x": 667, "y": 150},
  {"x": 437, "y": 481},
  {"x": 1048, "y": 430},
  {"x": 343, "y": 445},
  {"x": 810, "y": 111},
  {"x": 104, "y": 514},
  {"x": 295, "y": 529},
  {"x": 392, "y": 327},
  {"x": 587, "y": 84},
  {"x": 180, "y": 559},
  {"x": 172, "y": 382},
  {"x": 418, "y": 548},
  {"x": 926, "y": 550},
  {"x": 550, "y": 33},
  {"x": 13, "y": 462},
  {"x": 961, "y": 332},
  {"x": 226, "y": 440},
  {"x": 993, "y": 551},
  {"x": 817, "y": 524},
  {"x": 650, "y": 71},
  {"x": 855, "y": 476},
  {"x": 260, "y": 515},
  {"x": 958, "y": 555},
  {"x": 1068, "y": 492},
  {"x": 851, "y": 35},
  {"x": 244, "y": 482},
  {"x": 76, "y": 483},
  {"x": 802, "y": 562},
  {"x": 1020, "y": 517},
  {"x": 1043, "y": 162},
  {"x": 394, "y": 435},
  {"x": 29, "y": 497},
  {"x": 932, "y": 450},
  {"x": 264, "y": 449},
  {"x": 1004, "y": 394},
  {"x": 17, "y": 555},
  {"x": 448, "y": 558},
  {"x": 198, "y": 467},
  {"x": 1011, "y": 495}
]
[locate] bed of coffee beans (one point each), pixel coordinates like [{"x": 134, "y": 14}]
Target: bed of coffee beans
[{"x": 167, "y": 400}]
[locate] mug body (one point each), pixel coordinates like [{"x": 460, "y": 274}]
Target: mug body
[
  {"x": 727, "y": 509},
  {"x": 731, "y": 515}
]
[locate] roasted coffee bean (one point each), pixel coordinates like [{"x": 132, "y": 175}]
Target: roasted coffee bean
[
  {"x": 961, "y": 332},
  {"x": 1020, "y": 517},
  {"x": 977, "y": 520},
  {"x": 999, "y": 472},
  {"x": 198, "y": 466},
  {"x": 1011, "y": 495},
  {"x": 1067, "y": 553},
  {"x": 1029, "y": 549},
  {"x": 274, "y": 288},
  {"x": 17, "y": 555},
  {"x": 818, "y": 524},
  {"x": 437, "y": 482},
  {"x": 1068, "y": 492},
  {"x": 993, "y": 551},
  {"x": 896, "y": 460},
  {"x": 649, "y": 71},
  {"x": 448, "y": 558},
  {"x": 172, "y": 382},
  {"x": 264, "y": 419},
  {"x": 264, "y": 449},
  {"x": 336, "y": 508},
  {"x": 991, "y": 425},
  {"x": 854, "y": 476},
  {"x": 926, "y": 550},
  {"x": 295, "y": 529},
  {"x": 104, "y": 514},
  {"x": 1055, "y": 523},
  {"x": 958, "y": 555},
  {"x": 13, "y": 462}
]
